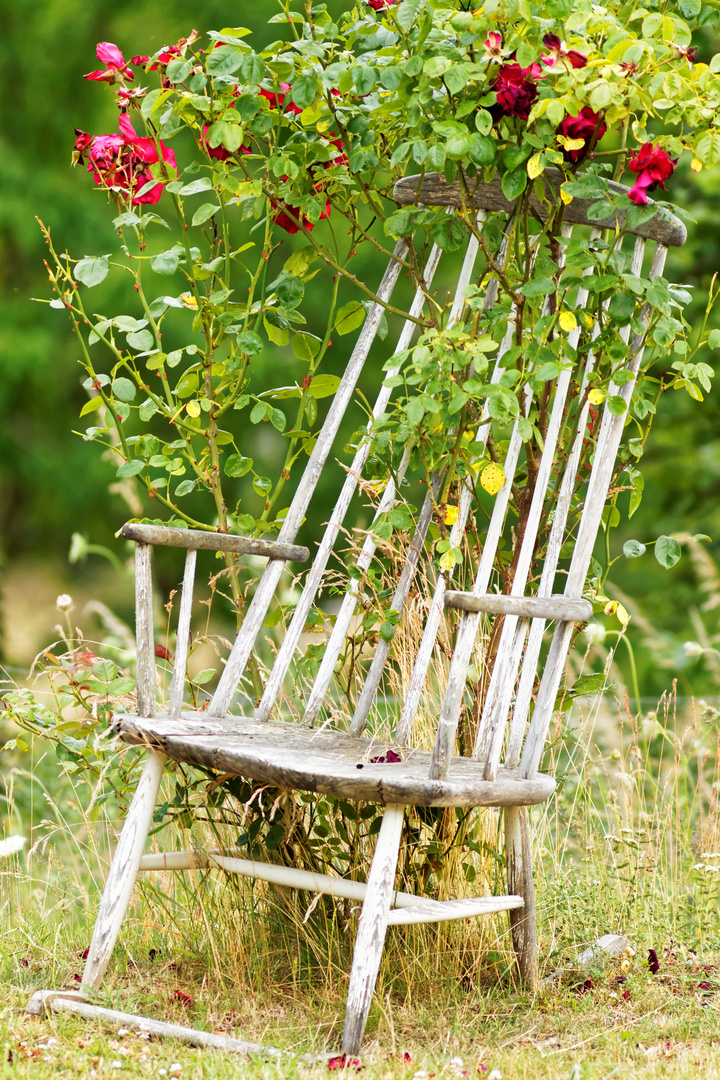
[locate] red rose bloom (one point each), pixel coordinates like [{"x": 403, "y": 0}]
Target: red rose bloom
[
  {"x": 558, "y": 50},
  {"x": 653, "y": 167},
  {"x": 378, "y": 5},
  {"x": 586, "y": 125},
  {"x": 277, "y": 101},
  {"x": 119, "y": 161},
  {"x": 515, "y": 91}
]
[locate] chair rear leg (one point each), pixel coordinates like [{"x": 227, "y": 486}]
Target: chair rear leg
[
  {"x": 518, "y": 851},
  {"x": 371, "y": 930},
  {"x": 123, "y": 871}
]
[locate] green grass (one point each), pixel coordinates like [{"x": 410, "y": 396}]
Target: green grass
[{"x": 624, "y": 847}]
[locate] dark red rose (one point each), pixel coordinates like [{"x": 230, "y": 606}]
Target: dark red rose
[
  {"x": 586, "y": 125},
  {"x": 379, "y": 5},
  {"x": 653, "y": 962},
  {"x": 516, "y": 91},
  {"x": 653, "y": 167}
]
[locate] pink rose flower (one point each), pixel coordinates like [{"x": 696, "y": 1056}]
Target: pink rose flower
[
  {"x": 653, "y": 167},
  {"x": 116, "y": 69}
]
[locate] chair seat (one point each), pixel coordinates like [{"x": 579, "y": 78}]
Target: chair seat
[{"x": 330, "y": 762}]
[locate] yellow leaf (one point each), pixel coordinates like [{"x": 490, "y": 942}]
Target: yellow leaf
[
  {"x": 492, "y": 478},
  {"x": 610, "y": 608},
  {"x": 622, "y": 615},
  {"x": 535, "y": 166},
  {"x": 566, "y": 198},
  {"x": 567, "y": 321},
  {"x": 188, "y": 300},
  {"x": 696, "y": 165},
  {"x": 588, "y": 319},
  {"x": 596, "y": 397},
  {"x": 451, "y": 514},
  {"x": 193, "y": 409}
]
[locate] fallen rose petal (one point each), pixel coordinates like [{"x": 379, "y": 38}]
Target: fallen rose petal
[
  {"x": 184, "y": 998},
  {"x": 653, "y": 962}
]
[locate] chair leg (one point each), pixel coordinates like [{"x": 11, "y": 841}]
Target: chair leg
[
  {"x": 371, "y": 930},
  {"x": 123, "y": 871},
  {"x": 518, "y": 851}
]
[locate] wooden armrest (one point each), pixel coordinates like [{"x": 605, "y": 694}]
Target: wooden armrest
[
  {"x": 557, "y": 607},
  {"x": 199, "y": 540}
]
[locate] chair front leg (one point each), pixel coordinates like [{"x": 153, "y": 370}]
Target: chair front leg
[
  {"x": 371, "y": 930},
  {"x": 123, "y": 871},
  {"x": 518, "y": 852}
]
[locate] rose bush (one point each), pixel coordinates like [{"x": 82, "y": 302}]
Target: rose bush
[{"x": 306, "y": 136}]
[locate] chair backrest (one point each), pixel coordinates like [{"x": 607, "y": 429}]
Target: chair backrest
[{"x": 517, "y": 702}]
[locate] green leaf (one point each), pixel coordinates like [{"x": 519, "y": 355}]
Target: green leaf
[
  {"x": 617, "y": 405},
  {"x": 589, "y": 684},
  {"x": 91, "y": 406},
  {"x": 460, "y": 145},
  {"x": 306, "y": 346},
  {"x": 289, "y": 290},
  {"x": 123, "y": 389},
  {"x": 363, "y": 79},
  {"x": 622, "y": 308},
  {"x": 633, "y": 549},
  {"x": 204, "y": 213},
  {"x": 147, "y": 410},
  {"x": 323, "y": 386},
  {"x": 349, "y": 317},
  {"x": 667, "y": 551},
  {"x": 449, "y": 233},
  {"x": 482, "y": 152},
  {"x": 237, "y": 465},
  {"x": 714, "y": 340},
  {"x": 407, "y": 13},
  {"x": 131, "y": 468},
  {"x": 142, "y": 340},
  {"x": 166, "y": 262},
  {"x": 277, "y": 419},
  {"x": 91, "y": 271},
  {"x": 538, "y": 287},
  {"x": 277, "y": 334},
  {"x": 252, "y": 68},
  {"x": 707, "y": 149},
  {"x": 203, "y": 183},
  {"x": 514, "y": 183},
  {"x": 224, "y": 60},
  {"x": 184, "y": 488},
  {"x": 249, "y": 343},
  {"x": 304, "y": 91}
]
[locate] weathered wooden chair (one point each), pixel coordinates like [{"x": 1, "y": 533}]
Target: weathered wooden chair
[{"x": 503, "y": 770}]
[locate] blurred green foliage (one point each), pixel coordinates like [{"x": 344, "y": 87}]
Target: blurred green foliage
[{"x": 52, "y": 483}]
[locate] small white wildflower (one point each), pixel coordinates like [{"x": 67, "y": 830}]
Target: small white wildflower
[
  {"x": 699, "y": 866},
  {"x": 162, "y": 1072},
  {"x": 10, "y": 845},
  {"x": 594, "y": 633},
  {"x": 456, "y": 1063},
  {"x": 495, "y": 1075},
  {"x": 175, "y": 1068},
  {"x": 710, "y": 855},
  {"x": 124, "y": 1031},
  {"x": 693, "y": 649},
  {"x": 421, "y": 1074},
  {"x": 116, "y": 1064},
  {"x": 64, "y": 602}
]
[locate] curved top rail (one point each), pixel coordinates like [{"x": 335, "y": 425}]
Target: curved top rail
[{"x": 434, "y": 190}]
